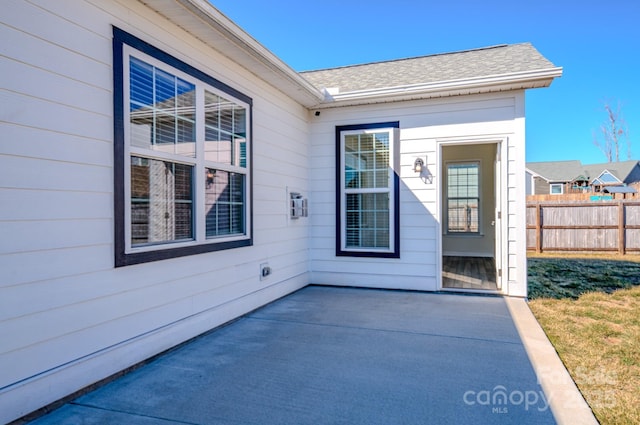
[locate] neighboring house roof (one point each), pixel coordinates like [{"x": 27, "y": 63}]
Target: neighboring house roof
[
  {"x": 619, "y": 189},
  {"x": 621, "y": 170},
  {"x": 568, "y": 171},
  {"x": 492, "y": 69},
  {"x": 556, "y": 171}
]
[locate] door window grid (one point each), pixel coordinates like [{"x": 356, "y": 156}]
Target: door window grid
[{"x": 463, "y": 197}]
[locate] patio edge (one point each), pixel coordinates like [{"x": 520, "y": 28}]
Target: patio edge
[{"x": 565, "y": 400}]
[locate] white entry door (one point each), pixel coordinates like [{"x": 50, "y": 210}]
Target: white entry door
[{"x": 497, "y": 221}]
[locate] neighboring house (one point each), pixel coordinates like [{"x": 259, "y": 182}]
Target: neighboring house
[
  {"x": 164, "y": 173},
  {"x": 614, "y": 177},
  {"x": 553, "y": 177},
  {"x": 560, "y": 177}
]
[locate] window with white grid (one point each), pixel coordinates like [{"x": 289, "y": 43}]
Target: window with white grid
[
  {"x": 463, "y": 197},
  {"x": 367, "y": 191},
  {"x": 182, "y": 157}
]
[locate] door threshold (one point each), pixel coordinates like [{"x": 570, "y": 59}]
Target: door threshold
[{"x": 474, "y": 291}]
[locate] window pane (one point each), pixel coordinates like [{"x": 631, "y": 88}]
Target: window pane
[
  {"x": 239, "y": 121},
  {"x": 141, "y": 103},
  {"x": 382, "y": 178},
  {"x": 366, "y": 161},
  {"x": 367, "y": 220},
  {"x": 225, "y": 131},
  {"x": 382, "y": 151},
  {"x": 161, "y": 201},
  {"x": 352, "y": 179},
  {"x": 162, "y": 110},
  {"x": 141, "y": 86},
  {"x": 463, "y": 197},
  {"x": 224, "y": 203},
  {"x": 241, "y": 143},
  {"x": 351, "y": 143},
  {"x": 366, "y": 143}
]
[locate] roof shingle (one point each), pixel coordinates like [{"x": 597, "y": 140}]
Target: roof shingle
[
  {"x": 484, "y": 62},
  {"x": 565, "y": 171},
  {"x": 557, "y": 171}
]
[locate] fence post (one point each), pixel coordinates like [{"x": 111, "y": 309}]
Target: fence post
[
  {"x": 621, "y": 228},
  {"x": 538, "y": 229}
]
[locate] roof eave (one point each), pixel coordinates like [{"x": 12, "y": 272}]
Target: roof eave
[
  {"x": 534, "y": 173},
  {"x": 487, "y": 84},
  {"x": 225, "y": 36}
]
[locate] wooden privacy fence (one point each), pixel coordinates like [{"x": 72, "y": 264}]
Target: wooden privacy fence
[
  {"x": 584, "y": 226},
  {"x": 589, "y": 196}
]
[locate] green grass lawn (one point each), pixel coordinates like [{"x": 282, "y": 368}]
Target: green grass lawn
[
  {"x": 571, "y": 277},
  {"x": 590, "y": 310}
]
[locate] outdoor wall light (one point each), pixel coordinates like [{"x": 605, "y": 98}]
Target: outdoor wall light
[
  {"x": 420, "y": 168},
  {"x": 417, "y": 165}
]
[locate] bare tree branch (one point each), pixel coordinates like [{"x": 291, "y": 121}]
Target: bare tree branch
[{"x": 614, "y": 132}]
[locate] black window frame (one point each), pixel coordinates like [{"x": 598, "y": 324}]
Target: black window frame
[
  {"x": 395, "y": 189},
  {"x": 123, "y": 258}
]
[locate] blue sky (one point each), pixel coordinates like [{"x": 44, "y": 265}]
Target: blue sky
[{"x": 596, "y": 42}]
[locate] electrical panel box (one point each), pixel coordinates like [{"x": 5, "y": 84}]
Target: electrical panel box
[{"x": 298, "y": 205}]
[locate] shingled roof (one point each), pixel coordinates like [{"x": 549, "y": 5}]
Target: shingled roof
[
  {"x": 558, "y": 171},
  {"x": 622, "y": 170},
  {"x": 566, "y": 171},
  {"x": 486, "y": 70},
  {"x": 489, "y": 64}
]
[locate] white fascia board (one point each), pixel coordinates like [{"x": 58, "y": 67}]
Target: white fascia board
[
  {"x": 533, "y": 173},
  {"x": 203, "y": 18},
  {"x": 487, "y": 84}
]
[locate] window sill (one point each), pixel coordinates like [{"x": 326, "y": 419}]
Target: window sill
[
  {"x": 464, "y": 235},
  {"x": 368, "y": 254},
  {"x": 164, "y": 253}
]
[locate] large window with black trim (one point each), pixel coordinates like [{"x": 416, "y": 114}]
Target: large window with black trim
[
  {"x": 367, "y": 191},
  {"x": 182, "y": 157}
]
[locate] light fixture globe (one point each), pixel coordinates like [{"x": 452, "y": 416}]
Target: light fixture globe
[{"x": 417, "y": 165}]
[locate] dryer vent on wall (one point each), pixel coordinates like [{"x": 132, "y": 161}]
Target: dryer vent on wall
[{"x": 298, "y": 205}]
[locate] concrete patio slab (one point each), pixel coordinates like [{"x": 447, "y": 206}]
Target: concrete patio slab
[{"x": 340, "y": 356}]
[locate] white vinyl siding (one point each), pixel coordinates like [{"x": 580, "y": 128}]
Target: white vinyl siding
[
  {"x": 424, "y": 126},
  {"x": 70, "y": 316},
  {"x": 73, "y": 317}
]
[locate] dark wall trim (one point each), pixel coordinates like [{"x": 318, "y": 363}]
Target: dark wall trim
[
  {"x": 120, "y": 38},
  {"x": 396, "y": 195},
  {"x": 118, "y": 148}
]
